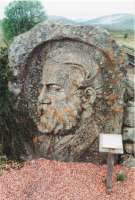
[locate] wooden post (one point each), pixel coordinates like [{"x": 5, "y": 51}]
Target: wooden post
[
  {"x": 111, "y": 144},
  {"x": 110, "y": 163}
]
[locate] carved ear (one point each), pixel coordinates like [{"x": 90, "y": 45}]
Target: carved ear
[{"x": 88, "y": 97}]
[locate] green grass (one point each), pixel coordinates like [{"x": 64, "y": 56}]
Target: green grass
[
  {"x": 128, "y": 42},
  {"x": 3, "y": 43}
]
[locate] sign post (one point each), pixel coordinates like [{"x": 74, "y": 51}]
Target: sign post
[
  {"x": 110, "y": 163},
  {"x": 111, "y": 144}
]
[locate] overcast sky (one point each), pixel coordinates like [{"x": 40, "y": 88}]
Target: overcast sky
[{"x": 82, "y": 9}]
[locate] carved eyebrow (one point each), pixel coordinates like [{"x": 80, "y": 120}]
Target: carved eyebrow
[{"x": 76, "y": 64}]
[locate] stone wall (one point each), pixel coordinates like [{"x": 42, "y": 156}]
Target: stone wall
[{"x": 129, "y": 120}]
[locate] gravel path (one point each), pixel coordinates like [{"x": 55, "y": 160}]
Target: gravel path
[{"x": 51, "y": 180}]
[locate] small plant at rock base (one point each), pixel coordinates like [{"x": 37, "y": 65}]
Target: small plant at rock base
[
  {"x": 3, "y": 160},
  {"x": 121, "y": 176}
]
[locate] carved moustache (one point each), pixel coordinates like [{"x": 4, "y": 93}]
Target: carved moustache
[{"x": 57, "y": 119}]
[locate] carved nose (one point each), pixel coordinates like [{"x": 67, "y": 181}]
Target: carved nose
[{"x": 44, "y": 98}]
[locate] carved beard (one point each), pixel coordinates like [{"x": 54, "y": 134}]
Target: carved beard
[{"x": 58, "y": 119}]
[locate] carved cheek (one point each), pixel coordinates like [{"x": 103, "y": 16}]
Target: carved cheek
[{"x": 61, "y": 97}]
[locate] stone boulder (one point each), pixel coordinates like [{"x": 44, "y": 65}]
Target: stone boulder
[{"x": 71, "y": 81}]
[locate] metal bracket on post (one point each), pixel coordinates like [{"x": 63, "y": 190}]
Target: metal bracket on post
[{"x": 111, "y": 144}]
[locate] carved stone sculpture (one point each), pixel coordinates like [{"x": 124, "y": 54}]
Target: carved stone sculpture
[{"x": 72, "y": 81}]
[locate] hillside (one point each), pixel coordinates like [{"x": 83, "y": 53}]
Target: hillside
[{"x": 117, "y": 22}]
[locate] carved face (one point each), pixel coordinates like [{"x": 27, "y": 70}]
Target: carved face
[{"x": 61, "y": 102}]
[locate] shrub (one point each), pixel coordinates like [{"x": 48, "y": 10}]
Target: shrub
[{"x": 121, "y": 176}]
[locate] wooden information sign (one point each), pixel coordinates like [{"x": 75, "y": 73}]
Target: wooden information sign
[{"x": 111, "y": 144}]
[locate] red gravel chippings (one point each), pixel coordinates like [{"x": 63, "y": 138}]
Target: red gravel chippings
[{"x": 51, "y": 180}]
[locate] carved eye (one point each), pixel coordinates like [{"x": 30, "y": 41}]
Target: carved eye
[{"x": 55, "y": 88}]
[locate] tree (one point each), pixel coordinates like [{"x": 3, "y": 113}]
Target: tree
[
  {"x": 126, "y": 35},
  {"x": 22, "y": 15}
]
